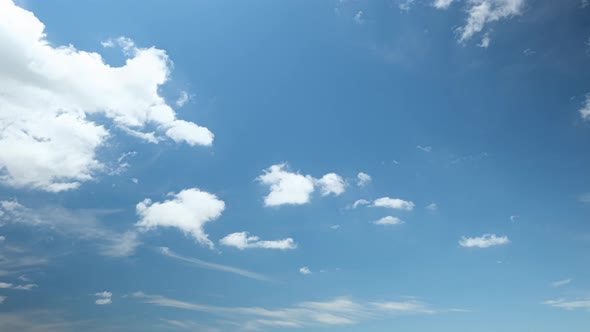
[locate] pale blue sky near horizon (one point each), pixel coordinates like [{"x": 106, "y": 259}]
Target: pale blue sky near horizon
[{"x": 480, "y": 148}]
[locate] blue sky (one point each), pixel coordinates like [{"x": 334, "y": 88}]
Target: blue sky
[{"x": 295, "y": 165}]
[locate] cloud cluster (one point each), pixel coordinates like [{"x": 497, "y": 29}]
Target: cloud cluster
[
  {"x": 363, "y": 179},
  {"x": 26, "y": 287},
  {"x": 484, "y": 241},
  {"x": 188, "y": 210},
  {"x": 52, "y": 94},
  {"x": 393, "y": 203},
  {"x": 243, "y": 240},
  {"x": 103, "y": 298},
  {"x": 295, "y": 189}
]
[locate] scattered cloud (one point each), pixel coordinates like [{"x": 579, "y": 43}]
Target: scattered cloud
[
  {"x": 569, "y": 304},
  {"x": 331, "y": 183},
  {"x": 360, "y": 202},
  {"x": 406, "y": 5},
  {"x": 585, "y": 110},
  {"x": 340, "y": 311},
  {"x": 135, "y": 180},
  {"x": 393, "y": 203},
  {"x": 213, "y": 266},
  {"x": 485, "y": 40},
  {"x": 188, "y": 210},
  {"x": 304, "y": 270},
  {"x": 432, "y": 207},
  {"x": 560, "y": 283},
  {"x": 243, "y": 240},
  {"x": 359, "y": 17},
  {"x": 335, "y": 227},
  {"x": 288, "y": 188},
  {"x": 484, "y": 241},
  {"x": 2, "y": 299},
  {"x": 50, "y": 94},
  {"x": 183, "y": 99},
  {"x": 528, "y": 52},
  {"x": 389, "y": 220},
  {"x": 442, "y": 4},
  {"x": 103, "y": 298},
  {"x": 363, "y": 179},
  {"x": 424, "y": 148},
  {"x": 513, "y": 218}
]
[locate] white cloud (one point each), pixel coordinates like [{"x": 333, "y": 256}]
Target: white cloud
[
  {"x": 103, "y": 298},
  {"x": 340, "y": 311},
  {"x": 363, "y": 179},
  {"x": 135, "y": 180},
  {"x": 560, "y": 283},
  {"x": 360, "y": 202},
  {"x": 482, "y": 12},
  {"x": 393, "y": 203},
  {"x": 304, "y": 270},
  {"x": 2, "y": 299},
  {"x": 50, "y": 94},
  {"x": 359, "y": 18},
  {"x": 406, "y": 5},
  {"x": 188, "y": 210},
  {"x": 569, "y": 304},
  {"x": 295, "y": 189},
  {"x": 424, "y": 148},
  {"x": 585, "y": 110},
  {"x": 485, "y": 40},
  {"x": 213, "y": 266},
  {"x": 243, "y": 240},
  {"x": 331, "y": 183},
  {"x": 432, "y": 207},
  {"x": 442, "y": 4},
  {"x": 389, "y": 220},
  {"x": 183, "y": 99},
  {"x": 484, "y": 241}
]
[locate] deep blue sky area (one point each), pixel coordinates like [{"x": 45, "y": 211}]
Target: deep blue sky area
[{"x": 341, "y": 165}]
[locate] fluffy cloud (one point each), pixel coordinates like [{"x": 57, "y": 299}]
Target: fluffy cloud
[
  {"x": 363, "y": 179},
  {"x": 484, "y": 241},
  {"x": 359, "y": 18},
  {"x": 188, "y": 210},
  {"x": 296, "y": 189},
  {"x": 331, "y": 183},
  {"x": 442, "y": 4},
  {"x": 27, "y": 287},
  {"x": 432, "y": 207},
  {"x": 50, "y": 94},
  {"x": 482, "y": 12},
  {"x": 360, "y": 202},
  {"x": 585, "y": 110},
  {"x": 103, "y": 298},
  {"x": 243, "y": 240},
  {"x": 389, "y": 220},
  {"x": 340, "y": 311},
  {"x": 304, "y": 270},
  {"x": 393, "y": 203}
]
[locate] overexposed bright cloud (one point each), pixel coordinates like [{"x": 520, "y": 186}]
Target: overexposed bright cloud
[
  {"x": 484, "y": 241},
  {"x": 389, "y": 220},
  {"x": 363, "y": 179},
  {"x": 51, "y": 93},
  {"x": 393, "y": 203},
  {"x": 243, "y": 240},
  {"x": 189, "y": 210}
]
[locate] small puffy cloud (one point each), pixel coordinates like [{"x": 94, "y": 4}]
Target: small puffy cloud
[
  {"x": 560, "y": 283},
  {"x": 406, "y": 5},
  {"x": 243, "y": 240},
  {"x": 359, "y": 18},
  {"x": 304, "y": 270},
  {"x": 513, "y": 218},
  {"x": 389, "y": 220},
  {"x": 289, "y": 188},
  {"x": 363, "y": 179},
  {"x": 183, "y": 99},
  {"x": 442, "y": 4},
  {"x": 585, "y": 110},
  {"x": 485, "y": 41},
  {"x": 482, "y": 12},
  {"x": 424, "y": 148},
  {"x": 393, "y": 203},
  {"x": 135, "y": 180},
  {"x": 432, "y": 207},
  {"x": 51, "y": 95},
  {"x": 484, "y": 241},
  {"x": 188, "y": 210},
  {"x": 331, "y": 183},
  {"x": 103, "y": 298}
]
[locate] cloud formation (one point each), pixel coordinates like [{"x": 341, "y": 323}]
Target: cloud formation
[
  {"x": 50, "y": 94},
  {"x": 393, "y": 203},
  {"x": 243, "y": 240},
  {"x": 188, "y": 210},
  {"x": 103, "y": 298},
  {"x": 484, "y": 241},
  {"x": 389, "y": 220},
  {"x": 363, "y": 179},
  {"x": 585, "y": 110}
]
